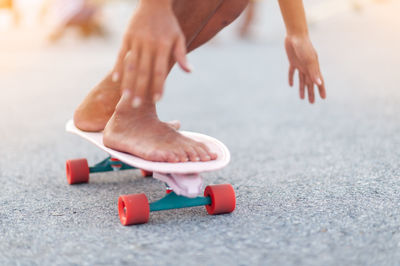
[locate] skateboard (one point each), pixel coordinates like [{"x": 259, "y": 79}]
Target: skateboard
[{"x": 183, "y": 180}]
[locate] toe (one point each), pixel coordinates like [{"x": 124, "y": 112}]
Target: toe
[
  {"x": 212, "y": 155},
  {"x": 202, "y": 153},
  {"x": 181, "y": 155},
  {"x": 158, "y": 155},
  {"x": 191, "y": 153},
  {"x": 172, "y": 157}
]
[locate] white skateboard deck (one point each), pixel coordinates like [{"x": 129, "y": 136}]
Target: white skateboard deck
[{"x": 182, "y": 177}]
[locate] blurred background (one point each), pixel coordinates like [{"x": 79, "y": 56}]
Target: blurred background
[
  {"x": 317, "y": 184},
  {"x": 54, "y": 50},
  {"x": 57, "y": 36}
]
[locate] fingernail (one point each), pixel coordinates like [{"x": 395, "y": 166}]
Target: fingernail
[
  {"x": 319, "y": 81},
  {"x": 208, "y": 157},
  {"x": 126, "y": 93},
  {"x": 197, "y": 159},
  {"x": 136, "y": 102},
  {"x": 190, "y": 67},
  {"x": 156, "y": 97},
  {"x": 115, "y": 77}
]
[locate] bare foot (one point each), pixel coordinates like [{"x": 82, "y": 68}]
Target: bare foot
[
  {"x": 98, "y": 106},
  {"x": 136, "y": 131},
  {"x": 139, "y": 132}
]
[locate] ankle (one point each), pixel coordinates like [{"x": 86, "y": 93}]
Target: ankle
[{"x": 146, "y": 110}]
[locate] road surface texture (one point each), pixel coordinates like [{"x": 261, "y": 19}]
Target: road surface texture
[{"x": 315, "y": 185}]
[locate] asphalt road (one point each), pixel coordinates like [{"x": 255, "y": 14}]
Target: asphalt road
[{"x": 315, "y": 185}]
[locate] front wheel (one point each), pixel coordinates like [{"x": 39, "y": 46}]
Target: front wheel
[
  {"x": 133, "y": 209},
  {"x": 146, "y": 173},
  {"x": 223, "y": 199}
]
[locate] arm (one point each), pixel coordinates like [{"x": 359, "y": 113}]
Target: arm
[{"x": 300, "y": 51}]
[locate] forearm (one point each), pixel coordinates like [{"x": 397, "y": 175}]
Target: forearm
[{"x": 294, "y": 17}]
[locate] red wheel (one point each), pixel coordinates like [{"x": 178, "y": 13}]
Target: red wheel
[
  {"x": 77, "y": 171},
  {"x": 146, "y": 173},
  {"x": 133, "y": 209},
  {"x": 223, "y": 199}
]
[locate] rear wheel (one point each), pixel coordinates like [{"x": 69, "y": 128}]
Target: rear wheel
[
  {"x": 133, "y": 209},
  {"x": 77, "y": 171},
  {"x": 223, "y": 199},
  {"x": 146, "y": 173}
]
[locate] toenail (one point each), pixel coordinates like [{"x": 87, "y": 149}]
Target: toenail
[
  {"x": 197, "y": 159},
  {"x": 208, "y": 157},
  {"x": 136, "y": 102}
]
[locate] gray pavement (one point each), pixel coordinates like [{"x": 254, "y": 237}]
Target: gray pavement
[{"x": 316, "y": 185}]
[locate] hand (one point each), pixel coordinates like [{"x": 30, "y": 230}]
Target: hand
[
  {"x": 152, "y": 39},
  {"x": 303, "y": 58}
]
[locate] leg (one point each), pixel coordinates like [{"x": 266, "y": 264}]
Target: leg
[
  {"x": 199, "y": 27},
  {"x": 227, "y": 12},
  {"x": 248, "y": 20},
  {"x": 138, "y": 131}
]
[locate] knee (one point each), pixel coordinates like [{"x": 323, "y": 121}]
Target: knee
[
  {"x": 239, "y": 4},
  {"x": 232, "y": 10}
]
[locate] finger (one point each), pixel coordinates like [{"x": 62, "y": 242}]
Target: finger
[
  {"x": 310, "y": 89},
  {"x": 160, "y": 71},
  {"x": 291, "y": 74},
  {"x": 322, "y": 90},
  {"x": 119, "y": 65},
  {"x": 129, "y": 74},
  {"x": 301, "y": 84},
  {"x": 316, "y": 77},
  {"x": 180, "y": 54},
  {"x": 321, "y": 85},
  {"x": 143, "y": 76}
]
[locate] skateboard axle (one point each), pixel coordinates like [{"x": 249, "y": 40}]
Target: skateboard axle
[
  {"x": 109, "y": 164},
  {"x": 174, "y": 201}
]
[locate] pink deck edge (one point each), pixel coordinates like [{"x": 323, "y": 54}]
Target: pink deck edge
[{"x": 162, "y": 167}]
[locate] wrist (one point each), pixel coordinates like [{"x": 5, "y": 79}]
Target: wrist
[
  {"x": 297, "y": 37},
  {"x": 297, "y": 34}
]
